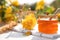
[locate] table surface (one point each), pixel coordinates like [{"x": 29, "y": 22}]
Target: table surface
[{"x": 14, "y": 35}]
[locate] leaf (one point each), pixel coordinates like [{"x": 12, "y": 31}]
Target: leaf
[{"x": 2, "y": 15}]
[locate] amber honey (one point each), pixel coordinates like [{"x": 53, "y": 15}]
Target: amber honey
[{"x": 48, "y": 26}]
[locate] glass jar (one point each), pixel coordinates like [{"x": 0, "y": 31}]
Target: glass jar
[{"x": 48, "y": 26}]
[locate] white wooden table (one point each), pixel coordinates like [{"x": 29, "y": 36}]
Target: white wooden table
[{"x": 19, "y": 36}]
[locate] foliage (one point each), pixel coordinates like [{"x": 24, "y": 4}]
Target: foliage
[
  {"x": 33, "y": 6},
  {"x": 26, "y": 7},
  {"x": 56, "y": 4},
  {"x": 7, "y": 12}
]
